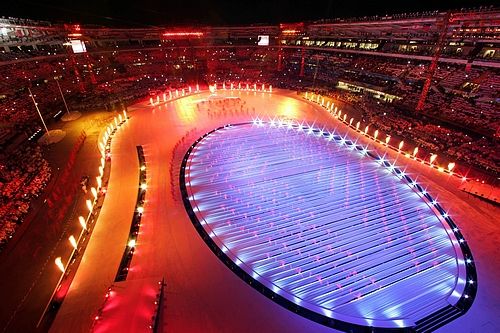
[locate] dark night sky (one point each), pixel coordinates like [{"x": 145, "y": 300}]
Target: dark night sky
[{"x": 138, "y": 13}]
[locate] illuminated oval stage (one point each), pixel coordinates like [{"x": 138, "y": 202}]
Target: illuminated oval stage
[{"x": 327, "y": 228}]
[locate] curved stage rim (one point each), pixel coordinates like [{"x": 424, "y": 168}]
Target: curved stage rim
[{"x": 458, "y": 301}]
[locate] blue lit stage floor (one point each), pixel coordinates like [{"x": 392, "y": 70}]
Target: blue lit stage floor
[{"x": 325, "y": 227}]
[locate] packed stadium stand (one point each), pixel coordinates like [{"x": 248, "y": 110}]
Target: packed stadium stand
[{"x": 430, "y": 78}]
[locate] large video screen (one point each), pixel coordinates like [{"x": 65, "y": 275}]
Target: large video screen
[
  {"x": 78, "y": 46},
  {"x": 263, "y": 40}
]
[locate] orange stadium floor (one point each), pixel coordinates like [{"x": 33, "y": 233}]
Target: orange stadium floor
[{"x": 202, "y": 294}]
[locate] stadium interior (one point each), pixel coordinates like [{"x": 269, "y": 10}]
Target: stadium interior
[{"x": 428, "y": 80}]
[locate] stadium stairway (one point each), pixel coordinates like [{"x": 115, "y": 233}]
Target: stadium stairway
[{"x": 437, "y": 319}]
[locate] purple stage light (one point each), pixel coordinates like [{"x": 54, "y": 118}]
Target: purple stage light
[{"x": 321, "y": 224}]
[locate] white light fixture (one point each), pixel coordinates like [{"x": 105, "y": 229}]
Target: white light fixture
[
  {"x": 82, "y": 222},
  {"x": 59, "y": 264},
  {"x": 72, "y": 241}
]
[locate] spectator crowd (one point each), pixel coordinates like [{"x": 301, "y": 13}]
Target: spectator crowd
[
  {"x": 23, "y": 176},
  {"x": 460, "y": 119}
]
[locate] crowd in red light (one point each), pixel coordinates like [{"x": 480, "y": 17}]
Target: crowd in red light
[
  {"x": 22, "y": 178},
  {"x": 424, "y": 133},
  {"x": 460, "y": 120}
]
